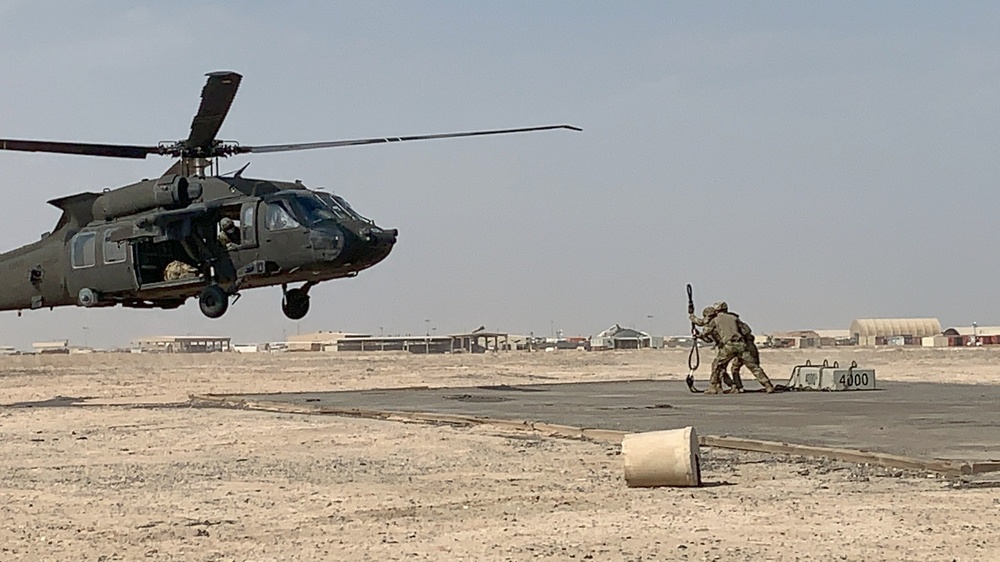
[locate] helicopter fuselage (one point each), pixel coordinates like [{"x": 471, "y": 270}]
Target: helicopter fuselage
[{"x": 156, "y": 243}]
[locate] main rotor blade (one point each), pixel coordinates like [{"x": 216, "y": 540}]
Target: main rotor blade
[
  {"x": 216, "y": 97},
  {"x": 355, "y": 142},
  {"x": 86, "y": 149}
]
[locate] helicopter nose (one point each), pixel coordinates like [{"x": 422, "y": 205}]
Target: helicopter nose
[{"x": 383, "y": 237}]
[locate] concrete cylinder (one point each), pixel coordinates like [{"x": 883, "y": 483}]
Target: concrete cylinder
[{"x": 662, "y": 458}]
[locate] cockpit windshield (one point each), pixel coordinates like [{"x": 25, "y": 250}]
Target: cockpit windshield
[
  {"x": 337, "y": 202},
  {"x": 313, "y": 207},
  {"x": 313, "y": 210}
]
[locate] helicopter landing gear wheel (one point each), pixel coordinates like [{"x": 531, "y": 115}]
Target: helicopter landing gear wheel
[
  {"x": 213, "y": 301},
  {"x": 295, "y": 304}
]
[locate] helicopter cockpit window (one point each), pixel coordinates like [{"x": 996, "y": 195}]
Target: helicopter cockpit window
[
  {"x": 312, "y": 209},
  {"x": 341, "y": 206},
  {"x": 83, "y": 250},
  {"x": 277, "y": 217},
  {"x": 114, "y": 252},
  {"x": 343, "y": 203}
]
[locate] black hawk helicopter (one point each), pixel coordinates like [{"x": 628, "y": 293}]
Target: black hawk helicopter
[{"x": 193, "y": 232}]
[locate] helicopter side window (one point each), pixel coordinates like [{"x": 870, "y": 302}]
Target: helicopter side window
[
  {"x": 114, "y": 252},
  {"x": 83, "y": 251},
  {"x": 249, "y": 233},
  {"x": 278, "y": 218}
]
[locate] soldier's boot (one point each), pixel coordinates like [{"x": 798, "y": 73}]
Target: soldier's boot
[
  {"x": 768, "y": 387},
  {"x": 715, "y": 383},
  {"x": 728, "y": 380},
  {"x": 737, "y": 382}
]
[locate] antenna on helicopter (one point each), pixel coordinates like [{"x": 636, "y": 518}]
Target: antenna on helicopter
[{"x": 239, "y": 173}]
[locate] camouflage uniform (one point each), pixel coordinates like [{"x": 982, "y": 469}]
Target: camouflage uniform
[
  {"x": 747, "y": 334},
  {"x": 724, "y": 328},
  {"x": 748, "y": 338},
  {"x": 707, "y": 314},
  {"x": 229, "y": 236},
  {"x": 178, "y": 270}
]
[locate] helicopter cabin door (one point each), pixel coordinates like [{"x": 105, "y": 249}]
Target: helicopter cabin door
[
  {"x": 99, "y": 264},
  {"x": 243, "y": 230},
  {"x": 282, "y": 237}
]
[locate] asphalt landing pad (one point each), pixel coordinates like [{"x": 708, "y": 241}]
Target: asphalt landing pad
[{"x": 923, "y": 420}]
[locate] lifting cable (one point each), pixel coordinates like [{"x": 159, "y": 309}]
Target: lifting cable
[{"x": 694, "y": 359}]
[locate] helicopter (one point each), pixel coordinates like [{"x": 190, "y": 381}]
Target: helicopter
[{"x": 194, "y": 232}]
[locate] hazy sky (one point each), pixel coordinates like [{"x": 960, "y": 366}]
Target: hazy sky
[{"x": 810, "y": 163}]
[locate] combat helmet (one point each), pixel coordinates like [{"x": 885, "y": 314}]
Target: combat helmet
[
  {"x": 708, "y": 312},
  {"x": 721, "y": 306}
]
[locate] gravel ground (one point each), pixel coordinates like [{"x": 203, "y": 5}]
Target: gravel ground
[{"x": 107, "y": 480}]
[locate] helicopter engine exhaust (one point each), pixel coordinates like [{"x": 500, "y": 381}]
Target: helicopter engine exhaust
[{"x": 169, "y": 192}]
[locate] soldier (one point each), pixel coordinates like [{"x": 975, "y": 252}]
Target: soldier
[
  {"x": 748, "y": 337},
  {"x": 229, "y": 235},
  {"x": 724, "y": 328},
  {"x": 707, "y": 314},
  {"x": 178, "y": 270},
  {"x": 736, "y": 381}
]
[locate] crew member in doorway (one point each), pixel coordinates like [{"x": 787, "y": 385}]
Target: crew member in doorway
[{"x": 229, "y": 235}]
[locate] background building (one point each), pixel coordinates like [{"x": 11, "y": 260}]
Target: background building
[
  {"x": 320, "y": 341},
  {"x": 183, "y": 344},
  {"x": 479, "y": 341},
  {"x": 894, "y": 331},
  {"x": 617, "y": 337},
  {"x": 59, "y": 346},
  {"x": 970, "y": 335},
  {"x": 797, "y": 339},
  {"x": 830, "y": 338}
]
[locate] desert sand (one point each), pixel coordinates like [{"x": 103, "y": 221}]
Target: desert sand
[{"x": 135, "y": 473}]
